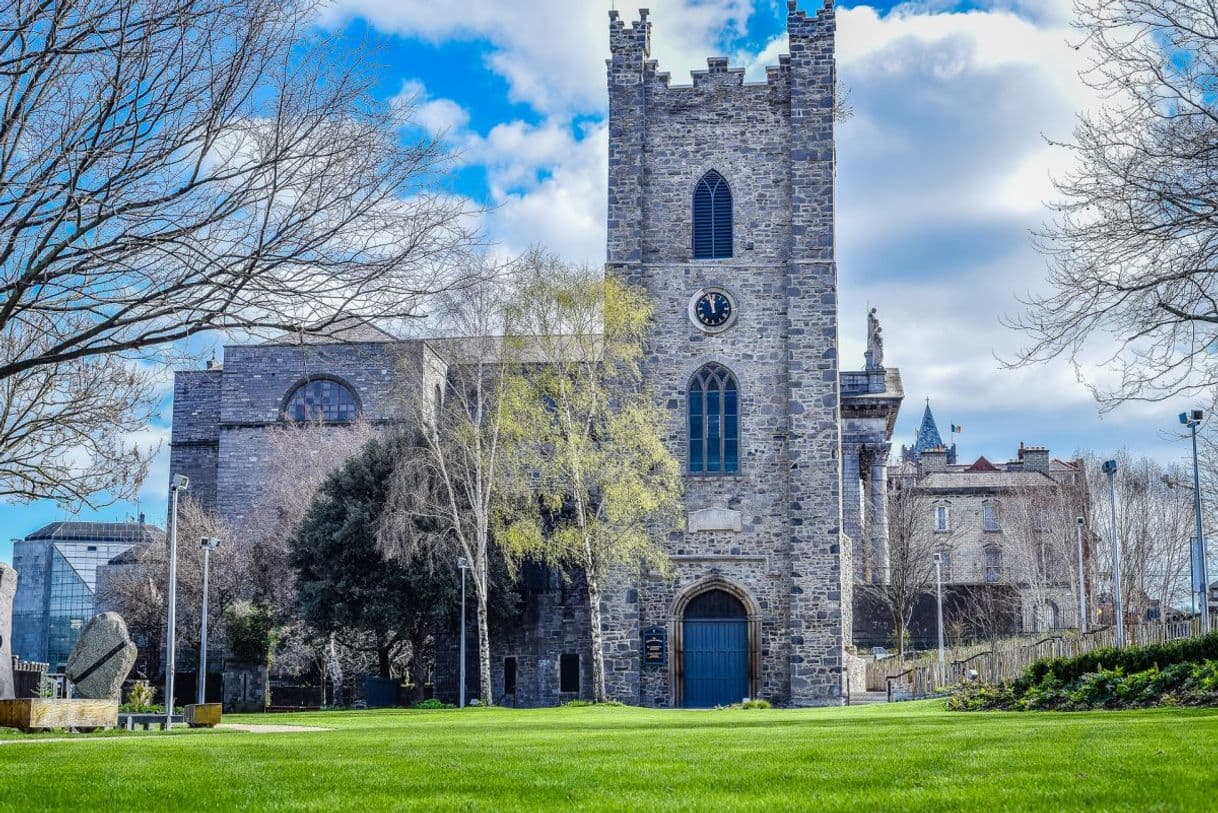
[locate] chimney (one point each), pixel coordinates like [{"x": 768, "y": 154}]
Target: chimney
[
  {"x": 933, "y": 461},
  {"x": 1035, "y": 458}
]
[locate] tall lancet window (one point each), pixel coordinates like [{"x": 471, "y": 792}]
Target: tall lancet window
[
  {"x": 714, "y": 421},
  {"x": 712, "y": 218}
]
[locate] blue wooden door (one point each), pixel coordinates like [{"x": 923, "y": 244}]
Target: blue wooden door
[{"x": 715, "y": 661}]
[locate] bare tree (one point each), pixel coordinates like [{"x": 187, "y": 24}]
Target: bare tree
[
  {"x": 453, "y": 401},
  {"x": 1040, "y": 546},
  {"x": 912, "y": 545},
  {"x": 137, "y": 590},
  {"x": 301, "y": 456},
  {"x": 1132, "y": 246},
  {"x": 169, "y": 167},
  {"x": 1154, "y": 524}
]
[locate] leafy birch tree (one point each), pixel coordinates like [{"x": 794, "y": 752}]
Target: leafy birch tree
[
  {"x": 455, "y": 403},
  {"x": 603, "y": 489}
]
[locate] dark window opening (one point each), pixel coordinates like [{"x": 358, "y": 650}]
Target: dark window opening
[
  {"x": 714, "y": 422},
  {"x": 568, "y": 669},
  {"x": 712, "y": 218},
  {"x": 509, "y": 675}
]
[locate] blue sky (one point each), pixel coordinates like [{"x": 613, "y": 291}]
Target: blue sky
[{"x": 942, "y": 172}]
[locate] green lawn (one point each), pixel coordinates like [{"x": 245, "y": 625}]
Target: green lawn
[{"x": 909, "y": 756}]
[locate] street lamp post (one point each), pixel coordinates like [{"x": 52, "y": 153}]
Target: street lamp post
[
  {"x": 1082, "y": 582},
  {"x": 1192, "y": 419},
  {"x": 939, "y": 610},
  {"x": 1110, "y": 468},
  {"x": 462, "y": 563},
  {"x": 177, "y": 484},
  {"x": 208, "y": 544}
]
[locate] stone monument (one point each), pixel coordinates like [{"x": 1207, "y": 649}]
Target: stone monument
[
  {"x": 8, "y": 589},
  {"x": 102, "y": 658}
]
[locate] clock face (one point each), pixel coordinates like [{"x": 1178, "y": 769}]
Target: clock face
[{"x": 713, "y": 309}]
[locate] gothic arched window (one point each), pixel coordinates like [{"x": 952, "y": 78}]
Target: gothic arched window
[
  {"x": 714, "y": 421},
  {"x": 712, "y": 218},
  {"x": 321, "y": 399}
]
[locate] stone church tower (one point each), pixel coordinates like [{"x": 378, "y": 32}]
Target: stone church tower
[{"x": 721, "y": 206}]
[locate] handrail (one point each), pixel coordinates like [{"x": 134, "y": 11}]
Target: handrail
[{"x": 891, "y": 678}]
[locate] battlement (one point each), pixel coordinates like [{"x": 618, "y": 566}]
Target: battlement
[
  {"x": 635, "y": 39},
  {"x": 631, "y": 50}
]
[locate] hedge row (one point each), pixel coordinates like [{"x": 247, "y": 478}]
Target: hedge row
[{"x": 1129, "y": 660}]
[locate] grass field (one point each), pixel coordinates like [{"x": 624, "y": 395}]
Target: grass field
[{"x": 909, "y": 756}]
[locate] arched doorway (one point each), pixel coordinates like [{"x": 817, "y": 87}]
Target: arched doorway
[{"x": 714, "y": 650}]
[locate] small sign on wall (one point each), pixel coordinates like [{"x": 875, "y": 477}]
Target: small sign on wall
[{"x": 655, "y": 646}]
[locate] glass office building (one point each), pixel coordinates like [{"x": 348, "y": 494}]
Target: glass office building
[{"x": 57, "y": 582}]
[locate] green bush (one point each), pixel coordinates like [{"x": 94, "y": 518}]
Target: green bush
[
  {"x": 980, "y": 697},
  {"x": 1130, "y": 659},
  {"x": 755, "y": 704},
  {"x": 249, "y": 631},
  {"x": 577, "y": 703},
  {"x": 433, "y": 704}
]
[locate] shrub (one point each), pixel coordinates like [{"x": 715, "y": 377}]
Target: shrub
[
  {"x": 1130, "y": 660},
  {"x": 577, "y": 703},
  {"x": 433, "y": 704},
  {"x": 755, "y": 704},
  {"x": 140, "y": 697},
  {"x": 980, "y": 697},
  {"x": 249, "y": 632}
]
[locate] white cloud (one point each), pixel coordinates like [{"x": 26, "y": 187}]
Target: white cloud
[
  {"x": 439, "y": 116},
  {"x": 550, "y": 51}
]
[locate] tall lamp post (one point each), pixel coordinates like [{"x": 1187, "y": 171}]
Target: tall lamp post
[
  {"x": 462, "y": 563},
  {"x": 1082, "y": 581},
  {"x": 208, "y": 544},
  {"x": 1110, "y": 468},
  {"x": 1192, "y": 419},
  {"x": 177, "y": 484},
  {"x": 939, "y": 610}
]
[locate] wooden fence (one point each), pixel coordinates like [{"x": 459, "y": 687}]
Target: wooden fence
[{"x": 904, "y": 680}]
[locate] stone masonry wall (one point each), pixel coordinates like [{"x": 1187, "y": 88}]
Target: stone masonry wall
[{"x": 778, "y": 162}]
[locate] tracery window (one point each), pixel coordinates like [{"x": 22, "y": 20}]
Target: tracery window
[{"x": 714, "y": 421}]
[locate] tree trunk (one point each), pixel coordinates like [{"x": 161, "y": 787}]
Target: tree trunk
[
  {"x": 382, "y": 657},
  {"x": 486, "y": 698},
  {"x": 335, "y": 668},
  {"x": 417, "y": 671},
  {"x": 598, "y": 648}
]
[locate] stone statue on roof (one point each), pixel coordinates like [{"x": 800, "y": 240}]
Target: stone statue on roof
[{"x": 875, "y": 342}]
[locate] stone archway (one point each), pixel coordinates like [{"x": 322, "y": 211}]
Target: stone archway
[{"x": 716, "y": 626}]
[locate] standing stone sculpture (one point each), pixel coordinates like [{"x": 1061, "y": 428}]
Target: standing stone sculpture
[
  {"x": 875, "y": 342},
  {"x": 8, "y": 589},
  {"x": 101, "y": 659}
]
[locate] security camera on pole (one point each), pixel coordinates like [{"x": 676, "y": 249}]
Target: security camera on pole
[
  {"x": 177, "y": 484},
  {"x": 208, "y": 544},
  {"x": 1110, "y": 468},
  {"x": 1192, "y": 419}
]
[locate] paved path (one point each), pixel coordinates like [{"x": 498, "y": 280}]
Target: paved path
[
  {"x": 242, "y": 727},
  {"x": 867, "y": 698}
]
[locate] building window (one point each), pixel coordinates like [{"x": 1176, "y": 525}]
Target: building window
[
  {"x": 945, "y": 563},
  {"x": 714, "y": 421},
  {"x": 712, "y": 218},
  {"x": 1053, "y": 616},
  {"x": 942, "y": 518},
  {"x": 989, "y": 516},
  {"x": 993, "y": 565},
  {"x": 321, "y": 399},
  {"x": 509, "y": 675},
  {"x": 568, "y": 671}
]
